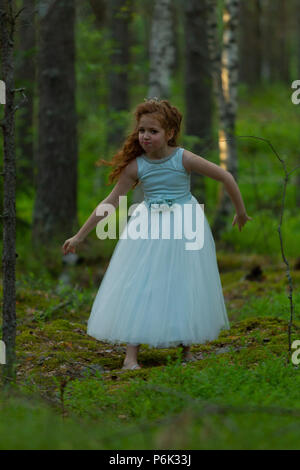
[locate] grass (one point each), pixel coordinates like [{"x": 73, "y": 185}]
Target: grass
[
  {"x": 217, "y": 404},
  {"x": 241, "y": 393}
]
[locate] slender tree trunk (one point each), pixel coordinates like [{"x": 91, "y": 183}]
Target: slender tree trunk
[
  {"x": 7, "y": 27},
  {"x": 225, "y": 74},
  {"x": 176, "y": 65},
  {"x": 283, "y": 56},
  {"x": 55, "y": 211},
  {"x": 119, "y": 17},
  {"x": 99, "y": 8},
  {"x": 297, "y": 11},
  {"x": 25, "y": 75},
  {"x": 161, "y": 53},
  {"x": 198, "y": 86},
  {"x": 275, "y": 32},
  {"x": 250, "y": 42},
  {"x": 162, "y": 50}
]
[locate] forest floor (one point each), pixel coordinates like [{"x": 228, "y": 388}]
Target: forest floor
[{"x": 222, "y": 400}]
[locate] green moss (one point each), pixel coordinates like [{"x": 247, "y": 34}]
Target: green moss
[{"x": 28, "y": 337}]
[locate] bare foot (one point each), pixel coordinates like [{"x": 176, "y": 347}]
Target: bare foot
[
  {"x": 188, "y": 355},
  {"x": 131, "y": 365}
]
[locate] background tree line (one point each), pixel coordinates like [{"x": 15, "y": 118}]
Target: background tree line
[{"x": 85, "y": 65}]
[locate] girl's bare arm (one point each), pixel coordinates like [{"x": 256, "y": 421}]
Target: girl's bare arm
[
  {"x": 193, "y": 162},
  {"x": 126, "y": 180}
]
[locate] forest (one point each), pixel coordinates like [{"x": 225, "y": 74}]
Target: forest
[{"x": 72, "y": 74}]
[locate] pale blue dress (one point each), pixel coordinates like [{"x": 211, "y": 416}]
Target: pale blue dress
[{"x": 156, "y": 291}]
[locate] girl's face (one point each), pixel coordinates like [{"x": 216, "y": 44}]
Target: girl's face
[{"x": 152, "y": 136}]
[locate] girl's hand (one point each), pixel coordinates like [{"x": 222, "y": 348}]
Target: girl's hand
[
  {"x": 241, "y": 220},
  {"x": 70, "y": 244}
]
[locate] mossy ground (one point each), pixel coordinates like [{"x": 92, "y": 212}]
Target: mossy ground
[{"x": 82, "y": 377}]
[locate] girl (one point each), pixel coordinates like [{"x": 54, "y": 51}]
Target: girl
[{"x": 156, "y": 291}]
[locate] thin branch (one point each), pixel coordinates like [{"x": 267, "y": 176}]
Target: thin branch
[
  {"x": 286, "y": 178},
  {"x": 19, "y": 12},
  {"x": 20, "y": 90}
]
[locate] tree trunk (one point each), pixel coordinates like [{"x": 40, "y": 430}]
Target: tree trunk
[
  {"x": 25, "y": 77},
  {"x": 283, "y": 53},
  {"x": 55, "y": 211},
  {"x": 297, "y": 11},
  {"x": 99, "y": 8},
  {"x": 161, "y": 53},
  {"x": 225, "y": 74},
  {"x": 7, "y": 26},
  {"x": 275, "y": 40},
  {"x": 198, "y": 86},
  {"x": 250, "y": 42},
  {"x": 119, "y": 17},
  {"x": 176, "y": 11}
]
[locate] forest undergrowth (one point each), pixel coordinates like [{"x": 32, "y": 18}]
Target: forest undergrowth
[{"x": 241, "y": 392}]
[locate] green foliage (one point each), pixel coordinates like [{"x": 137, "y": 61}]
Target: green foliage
[{"x": 223, "y": 402}]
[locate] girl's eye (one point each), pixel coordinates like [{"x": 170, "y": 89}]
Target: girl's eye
[{"x": 142, "y": 130}]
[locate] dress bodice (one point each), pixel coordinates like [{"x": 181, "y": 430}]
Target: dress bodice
[{"x": 164, "y": 180}]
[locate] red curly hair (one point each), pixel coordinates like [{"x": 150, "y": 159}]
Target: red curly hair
[{"x": 170, "y": 119}]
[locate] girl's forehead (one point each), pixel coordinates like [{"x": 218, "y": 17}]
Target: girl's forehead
[{"x": 149, "y": 121}]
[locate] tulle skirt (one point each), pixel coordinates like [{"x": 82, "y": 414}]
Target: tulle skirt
[{"x": 161, "y": 291}]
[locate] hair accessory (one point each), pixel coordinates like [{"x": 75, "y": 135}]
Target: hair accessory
[{"x": 150, "y": 99}]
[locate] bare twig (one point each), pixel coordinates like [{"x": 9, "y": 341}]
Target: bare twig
[
  {"x": 20, "y": 90},
  {"x": 18, "y": 13},
  {"x": 286, "y": 179}
]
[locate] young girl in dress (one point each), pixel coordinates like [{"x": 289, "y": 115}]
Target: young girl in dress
[{"x": 155, "y": 290}]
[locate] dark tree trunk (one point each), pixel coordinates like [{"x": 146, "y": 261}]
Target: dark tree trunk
[
  {"x": 118, "y": 100},
  {"x": 55, "y": 211},
  {"x": 177, "y": 65},
  {"x": 25, "y": 77},
  {"x": 250, "y": 42},
  {"x": 7, "y": 26},
  {"x": 99, "y": 8},
  {"x": 198, "y": 86},
  {"x": 297, "y": 11},
  {"x": 275, "y": 32}
]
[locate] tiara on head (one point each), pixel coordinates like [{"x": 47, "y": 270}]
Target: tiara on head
[{"x": 152, "y": 99}]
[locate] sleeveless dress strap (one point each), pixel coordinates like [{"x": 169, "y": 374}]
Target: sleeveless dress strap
[{"x": 178, "y": 157}]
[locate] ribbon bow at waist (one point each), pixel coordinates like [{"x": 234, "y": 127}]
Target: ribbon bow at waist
[{"x": 163, "y": 203}]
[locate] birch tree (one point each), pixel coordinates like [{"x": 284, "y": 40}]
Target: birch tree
[
  {"x": 162, "y": 51},
  {"x": 161, "y": 56},
  {"x": 224, "y": 62}
]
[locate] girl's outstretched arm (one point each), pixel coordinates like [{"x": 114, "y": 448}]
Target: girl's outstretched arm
[
  {"x": 126, "y": 180},
  {"x": 193, "y": 162}
]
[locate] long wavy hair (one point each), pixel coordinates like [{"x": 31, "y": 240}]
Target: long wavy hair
[{"x": 170, "y": 119}]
